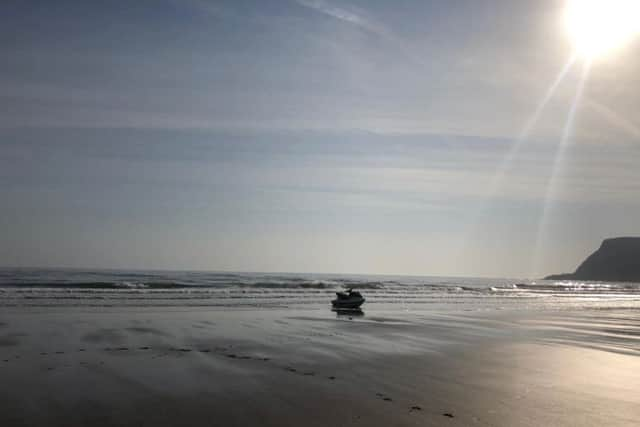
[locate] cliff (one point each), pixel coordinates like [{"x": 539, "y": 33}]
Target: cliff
[{"x": 617, "y": 260}]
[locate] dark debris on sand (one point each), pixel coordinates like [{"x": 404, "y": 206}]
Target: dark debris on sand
[{"x": 384, "y": 397}]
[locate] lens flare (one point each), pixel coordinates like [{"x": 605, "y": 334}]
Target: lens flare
[{"x": 552, "y": 183}]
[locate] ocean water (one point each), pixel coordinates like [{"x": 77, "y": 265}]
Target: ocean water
[{"x": 109, "y": 288}]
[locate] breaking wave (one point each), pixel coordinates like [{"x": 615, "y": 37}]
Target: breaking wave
[{"x": 38, "y": 287}]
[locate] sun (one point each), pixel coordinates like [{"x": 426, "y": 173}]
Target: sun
[{"x": 596, "y": 27}]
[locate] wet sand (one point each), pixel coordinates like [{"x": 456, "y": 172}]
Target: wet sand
[{"x": 281, "y": 367}]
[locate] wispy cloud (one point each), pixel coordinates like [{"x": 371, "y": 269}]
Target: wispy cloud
[
  {"x": 345, "y": 15},
  {"x": 614, "y": 118},
  {"x": 206, "y": 7},
  {"x": 367, "y": 23}
]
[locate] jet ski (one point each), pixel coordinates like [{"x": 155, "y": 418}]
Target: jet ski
[{"x": 349, "y": 299}]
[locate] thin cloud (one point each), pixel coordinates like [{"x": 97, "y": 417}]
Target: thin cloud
[
  {"x": 367, "y": 24},
  {"x": 343, "y": 15},
  {"x": 207, "y": 8},
  {"x": 614, "y": 118}
]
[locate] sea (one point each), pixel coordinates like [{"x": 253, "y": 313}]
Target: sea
[{"x": 22, "y": 287}]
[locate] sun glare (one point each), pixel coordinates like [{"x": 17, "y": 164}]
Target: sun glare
[{"x": 599, "y": 26}]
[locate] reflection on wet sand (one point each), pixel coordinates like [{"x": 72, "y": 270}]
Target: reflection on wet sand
[
  {"x": 348, "y": 312},
  {"x": 286, "y": 367}
]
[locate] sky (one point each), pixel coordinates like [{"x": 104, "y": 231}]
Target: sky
[{"x": 311, "y": 136}]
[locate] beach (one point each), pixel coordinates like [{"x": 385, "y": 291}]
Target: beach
[
  {"x": 320, "y": 213},
  {"x": 288, "y": 367}
]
